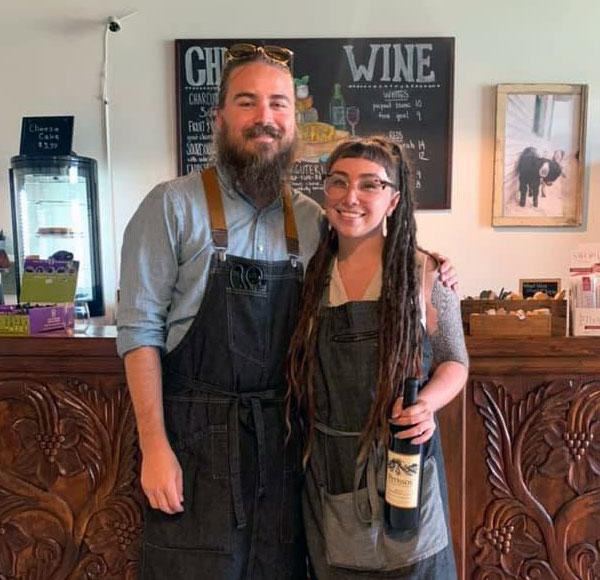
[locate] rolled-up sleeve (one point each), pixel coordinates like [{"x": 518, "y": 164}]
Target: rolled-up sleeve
[{"x": 149, "y": 266}]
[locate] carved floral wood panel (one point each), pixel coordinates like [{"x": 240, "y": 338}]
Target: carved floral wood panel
[
  {"x": 70, "y": 505},
  {"x": 543, "y": 458}
]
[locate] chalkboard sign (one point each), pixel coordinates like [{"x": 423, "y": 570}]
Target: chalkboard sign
[
  {"x": 398, "y": 87},
  {"x": 550, "y": 286},
  {"x": 46, "y": 136}
]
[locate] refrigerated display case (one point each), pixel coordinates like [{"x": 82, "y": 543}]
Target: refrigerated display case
[{"x": 55, "y": 208}]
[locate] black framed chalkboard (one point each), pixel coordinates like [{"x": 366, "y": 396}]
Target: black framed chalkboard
[
  {"x": 399, "y": 87},
  {"x": 46, "y": 136}
]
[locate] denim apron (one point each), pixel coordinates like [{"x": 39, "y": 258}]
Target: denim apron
[
  {"x": 223, "y": 394},
  {"x": 343, "y": 504}
]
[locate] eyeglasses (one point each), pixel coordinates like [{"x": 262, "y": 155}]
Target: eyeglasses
[
  {"x": 336, "y": 186},
  {"x": 245, "y": 50}
]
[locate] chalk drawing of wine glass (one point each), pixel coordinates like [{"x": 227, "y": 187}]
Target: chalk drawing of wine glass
[{"x": 353, "y": 117}]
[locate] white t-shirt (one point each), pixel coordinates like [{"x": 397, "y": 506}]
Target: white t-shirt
[{"x": 336, "y": 293}]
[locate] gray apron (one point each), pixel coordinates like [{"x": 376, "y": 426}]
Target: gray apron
[
  {"x": 343, "y": 504},
  {"x": 223, "y": 393}
]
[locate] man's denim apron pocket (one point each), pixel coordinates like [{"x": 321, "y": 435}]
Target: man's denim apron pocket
[
  {"x": 198, "y": 434},
  {"x": 352, "y": 544},
  {"x": 248, "y": 324}
]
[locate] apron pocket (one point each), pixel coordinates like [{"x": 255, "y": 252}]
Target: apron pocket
[
  {"x": 356, "y": 336},
  {"x": 206, "y": 522},
  {"x": 247, "y": 322},
  {"x": 350, "y": 543}
]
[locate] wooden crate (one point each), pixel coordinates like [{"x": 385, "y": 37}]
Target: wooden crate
[
  {"x": 510, "y": 325},
  {"x": 558, "y": 309}
]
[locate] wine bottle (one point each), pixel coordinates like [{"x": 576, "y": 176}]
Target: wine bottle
[
  {"x": 404, "y": 472},
  {"x": 337, "y": 108}
]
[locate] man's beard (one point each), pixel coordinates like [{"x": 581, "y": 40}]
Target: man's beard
[{"x": 259, "y": 175}]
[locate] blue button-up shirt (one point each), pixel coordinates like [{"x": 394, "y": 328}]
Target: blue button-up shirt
[{"x": 167, "y": 250}]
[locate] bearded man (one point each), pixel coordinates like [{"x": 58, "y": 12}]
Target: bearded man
[{"x": 211, "y": 274}]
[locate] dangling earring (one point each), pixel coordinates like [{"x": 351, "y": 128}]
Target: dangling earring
[
  {"x": 324, "y": 214},
  {"x": 384, "y": 227}
]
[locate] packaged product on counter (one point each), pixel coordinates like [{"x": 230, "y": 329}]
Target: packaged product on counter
[
  {"x": 47, "y": 296},
  {"x": 584, "y": 277}
]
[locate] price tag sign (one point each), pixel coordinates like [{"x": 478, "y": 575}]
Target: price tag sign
[
  {"x": 550, "y": 286},
  {"x": 46, "y": 136}
]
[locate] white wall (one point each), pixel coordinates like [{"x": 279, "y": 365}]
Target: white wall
[{"x": 51, "y": 57}]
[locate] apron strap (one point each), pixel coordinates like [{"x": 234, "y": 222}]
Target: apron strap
[
  {"x": 327, "y": 430},
  {"x": 291, "y": 232},
  {"x": 218, "y": 225},
  {"x": 235, "y": 470},
  {"x": 254, "y": 399},
  {"x": 369, "y": 465},
  {"x": 259, "y": 423},
  {"x": 375, "y": 518}
]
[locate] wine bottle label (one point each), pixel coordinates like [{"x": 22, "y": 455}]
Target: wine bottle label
[
  {"x": 403, "y": 477},
  {"x": 338, "y": 119}
]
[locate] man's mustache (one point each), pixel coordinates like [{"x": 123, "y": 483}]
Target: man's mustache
[{"x": 259, "y": 130}]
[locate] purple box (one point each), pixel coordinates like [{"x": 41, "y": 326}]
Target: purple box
[
  {"x": 49, "y": 285},
  {"x": 46, "y": 318},
  {"x": 23, "y": 321}
]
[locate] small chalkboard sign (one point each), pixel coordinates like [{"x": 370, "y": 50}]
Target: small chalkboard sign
[
  {"x": 46, "y": 136},
  {"x": 550, "y": 286}
]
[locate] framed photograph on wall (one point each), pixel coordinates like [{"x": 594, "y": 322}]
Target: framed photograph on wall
[
  {"x": 539, "y": 156},
  {"x": 399, "y": 87}
]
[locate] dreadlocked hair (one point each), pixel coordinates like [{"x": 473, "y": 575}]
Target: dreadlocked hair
[
  {"x": 400, "y": 341},
  {"x": 300, "y": 403}
]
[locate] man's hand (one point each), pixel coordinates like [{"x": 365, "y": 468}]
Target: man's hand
[
  {"x": 448, "y": 275},
  {"x": 162, "y": 478}
]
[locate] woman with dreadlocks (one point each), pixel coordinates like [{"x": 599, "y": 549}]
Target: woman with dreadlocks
[{"x": 373, "y": 314}]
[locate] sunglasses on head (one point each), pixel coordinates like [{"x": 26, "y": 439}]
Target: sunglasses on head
[{"x": 245, "y": 50}]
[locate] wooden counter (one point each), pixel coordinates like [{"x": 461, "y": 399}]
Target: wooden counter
[
  {"x": 522, "y": 448},
  {"x": 70, "y": 503},
  {"x": 532, "y": 448}
]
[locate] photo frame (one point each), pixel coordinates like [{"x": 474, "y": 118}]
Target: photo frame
[{"x": 539, "y": 156}]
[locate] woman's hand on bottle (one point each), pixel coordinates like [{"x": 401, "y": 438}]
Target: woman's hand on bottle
[{"x": 419, "y": 416}]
